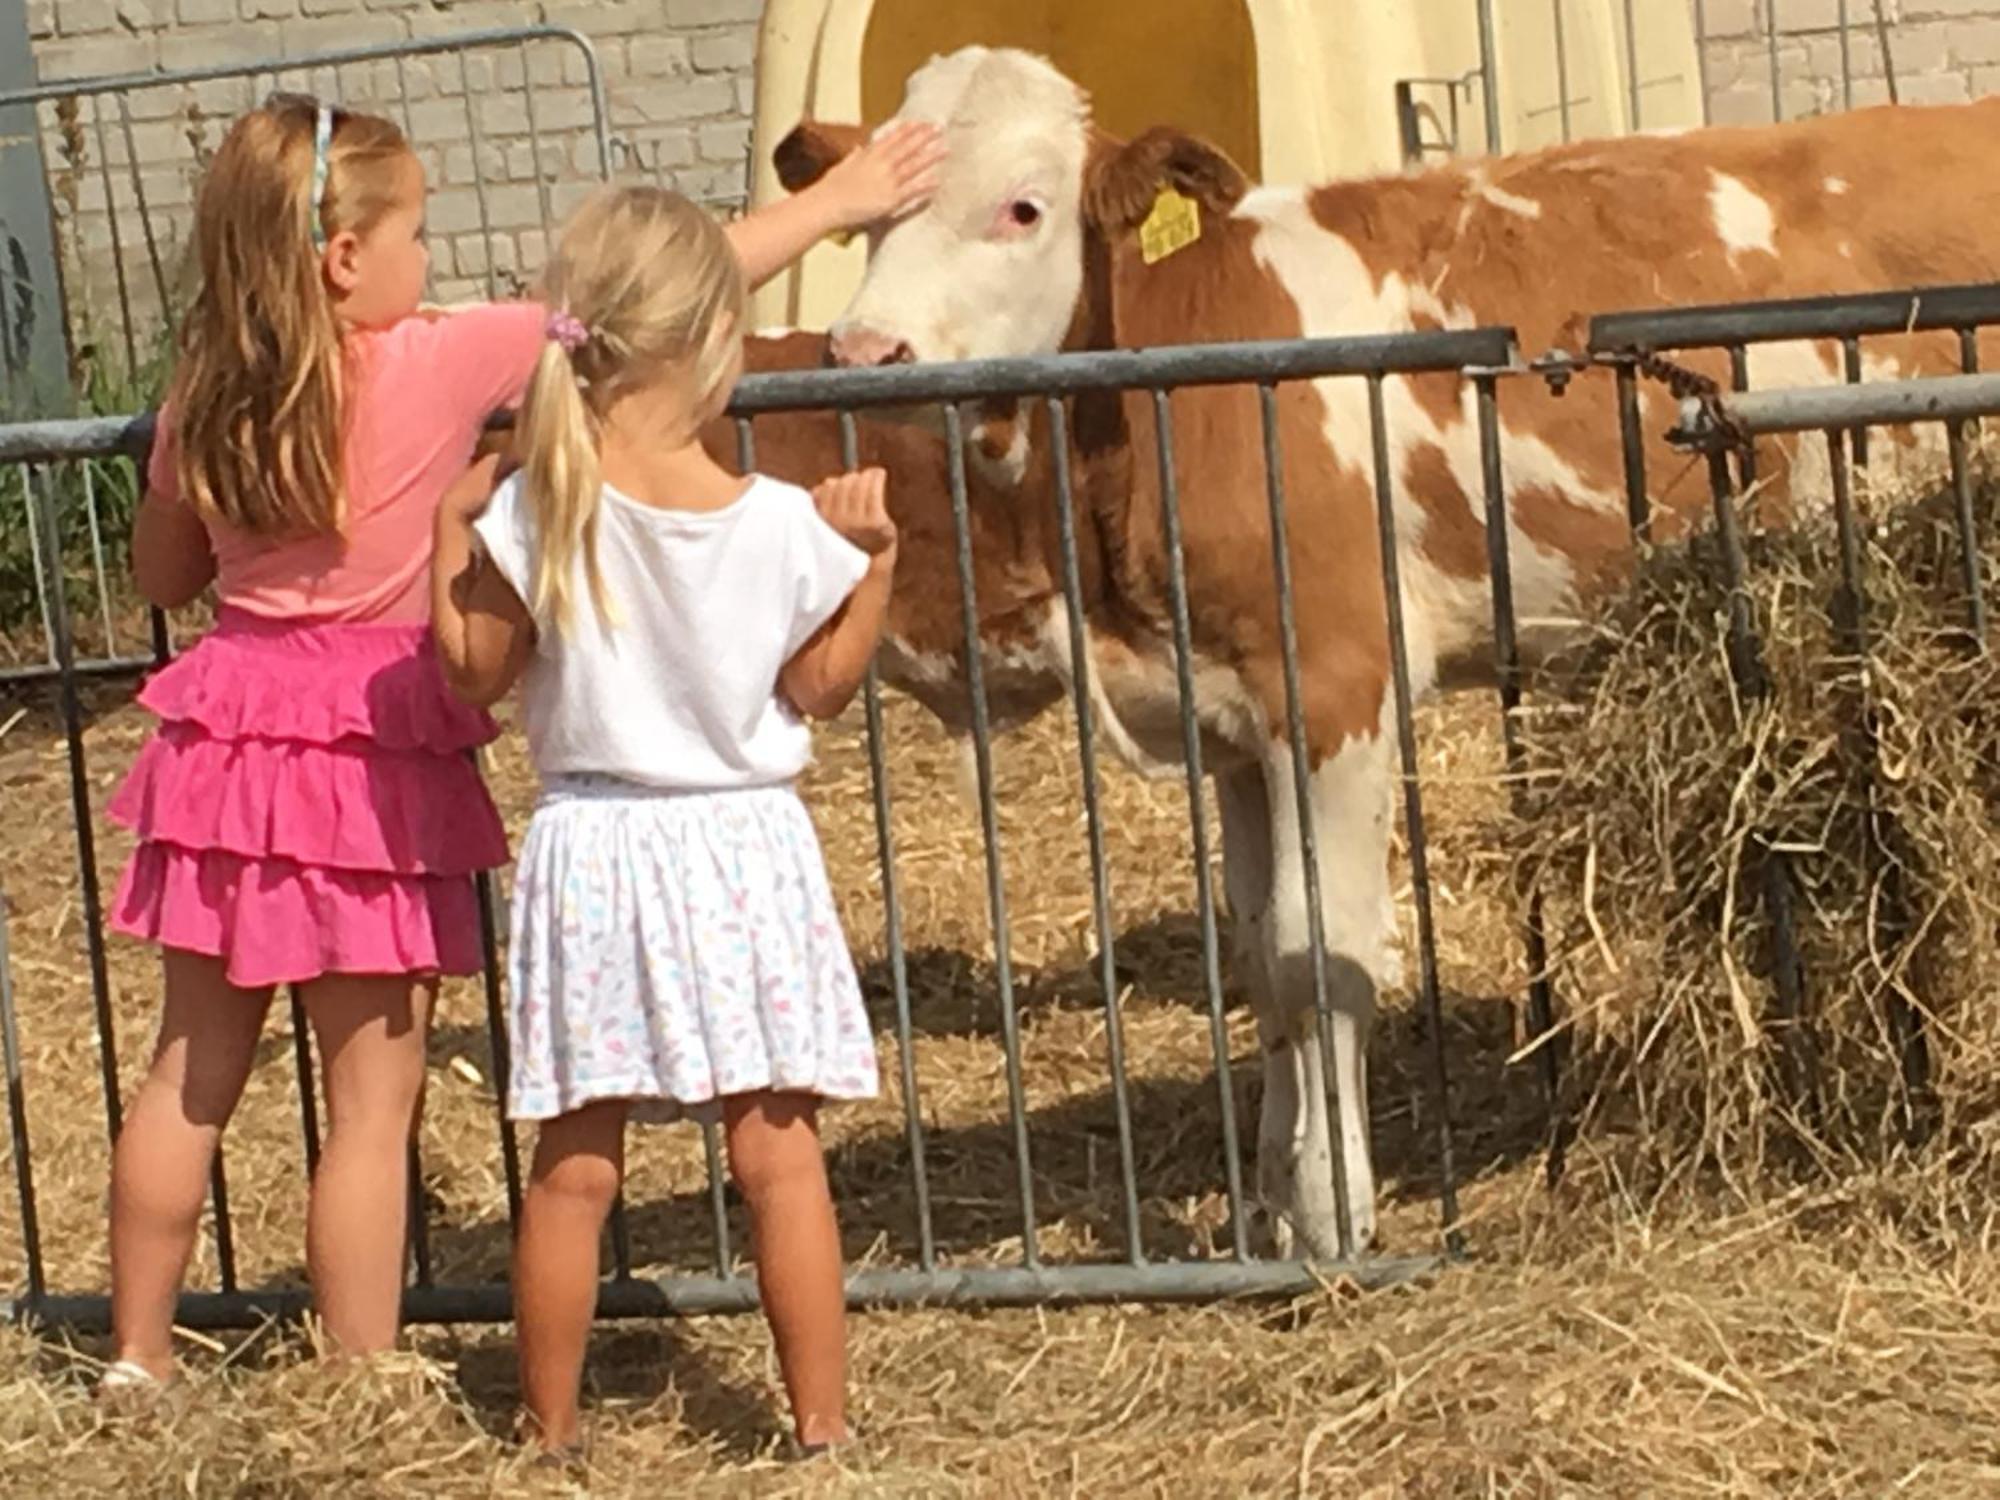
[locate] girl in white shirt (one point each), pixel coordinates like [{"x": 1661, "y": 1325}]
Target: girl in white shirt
[{"x": 675, "y": 944}]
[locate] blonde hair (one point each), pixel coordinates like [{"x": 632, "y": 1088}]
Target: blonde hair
[
  {"x": 647, "y": 289},
  {"x": 257, "y": 389}
]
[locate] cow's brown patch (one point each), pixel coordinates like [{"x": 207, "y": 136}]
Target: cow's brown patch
[
  {"x": 1215, "y": 290},
  {"x": 1454, "y": 537}
]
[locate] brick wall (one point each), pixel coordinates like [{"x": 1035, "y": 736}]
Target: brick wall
[
  {"x": 678, "y": 73},
  {"x": 1942, "y": 51}
]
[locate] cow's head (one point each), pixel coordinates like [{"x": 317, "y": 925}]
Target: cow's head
[{"x": 995, "y": 264}]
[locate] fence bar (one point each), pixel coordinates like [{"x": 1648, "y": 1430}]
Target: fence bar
[
  {"x": 1211, "y": 961},
  {"x": 117, "y": 237},
  {"x": 1295, "y": 735},
  {"x": 989, "y": 821},
  {"x": 1489, "y": 80},
  {"x": 1701, "y": 56},
  {"x": 97, "y": 554},
  {"x": 419, "y": 1228},
  {"x": 1562, "y": 70},
  {"x": 1632, "y": 440},
  {"x": 1871, "y": 314},
  {"x": 28, "y": 508},
  {"x": 496, "y": 1031},
  {"x": 892, "y": 921},
  {"x": 1846, "y": 56},
  {"x": 1877, "y": 403},
  {"x": 1632, "y": 91},
  {"x": 308, "y": 1100},
  {"x": 17, "y": 1121},
  {"x": 1739, "y": 381},
  {"x": 1093, "y": 820},
  {"x": 478, "y": 178},
  {"x": 1413, "y": 801},
  {"x": 718, "y": 1203},
  {"x": 546, "y": 213},
  {"x": 702, "y": 1296},
  {"x": 1444, "y": 351},
  {"x": 1888, "y": 54},
  {"x": 1777, "y": 72},
  {"x": 1507, "y": 663},
  {"x": 1891, "y": 914},
  {"x": 1850, "y": 358},
  {"x": 1746, "y": 663},
  {"x": 1966, "y": 524},
  {"x": 145, "y": 215},
  {"x": 49, "y": 565}
]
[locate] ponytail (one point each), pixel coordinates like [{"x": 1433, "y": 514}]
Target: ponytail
[
  {"x": 566, "y": 487},
  {"x": 644, "y": 288}
]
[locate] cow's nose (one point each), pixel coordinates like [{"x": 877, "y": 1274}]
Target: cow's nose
[{"x": 859, "y": 345}]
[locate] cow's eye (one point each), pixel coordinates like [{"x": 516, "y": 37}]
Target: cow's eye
[{"x": 1025, "y": 214}]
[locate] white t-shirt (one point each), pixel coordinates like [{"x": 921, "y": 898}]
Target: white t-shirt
[{"x": 680, "y": 691}]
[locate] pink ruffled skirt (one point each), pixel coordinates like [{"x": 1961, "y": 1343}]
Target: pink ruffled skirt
[{"x": 309, "y": 805}]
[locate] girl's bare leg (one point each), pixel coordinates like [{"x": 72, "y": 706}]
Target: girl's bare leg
[
  {"x": 371, "y": 1032},
  {"x": 775, "y": 1157},
  {"x": 159, "y": 1168},
  {"x": 579, "y": 1161}
]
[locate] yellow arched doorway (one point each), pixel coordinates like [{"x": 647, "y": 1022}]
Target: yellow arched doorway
[{"x": 1191, "y": 63}]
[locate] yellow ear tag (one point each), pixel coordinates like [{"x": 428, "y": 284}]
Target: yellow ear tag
[{"x": 1174, "y": 224}]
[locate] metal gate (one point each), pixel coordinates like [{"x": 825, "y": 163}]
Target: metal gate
[
  {"x": 50, "y": 456},
  {"x": 122, "y": 154}
]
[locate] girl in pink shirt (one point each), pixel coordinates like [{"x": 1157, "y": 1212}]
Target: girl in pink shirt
[{"x": 307, "y": 812}]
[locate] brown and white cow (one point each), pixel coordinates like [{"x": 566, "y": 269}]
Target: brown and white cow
[{"x": 1032, "y": 245}]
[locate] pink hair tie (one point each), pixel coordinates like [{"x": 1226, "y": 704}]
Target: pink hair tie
[{"x": 566, "y": 329}]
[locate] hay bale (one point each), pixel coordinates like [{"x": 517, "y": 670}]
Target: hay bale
[{"x": 1659, "y": 795}]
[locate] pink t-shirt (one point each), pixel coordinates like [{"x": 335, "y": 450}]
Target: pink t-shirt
[{"x": 422, "y": 391}]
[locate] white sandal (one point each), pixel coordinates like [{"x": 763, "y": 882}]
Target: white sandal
[{"x": 128, "y": 1379}]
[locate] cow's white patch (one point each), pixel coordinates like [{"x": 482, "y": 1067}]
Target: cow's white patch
[
  {"x": 1743, "y": 221},
  {"x": 938, "y": 283},
  {"x": 1835, "y": 186},
  {"x": 1007, "y": 468}
]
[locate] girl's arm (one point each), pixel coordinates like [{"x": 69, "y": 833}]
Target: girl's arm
[
  {"x": 484, "y": 632},
  {"x": 823, "y": 675},
  {"x": 172, "y": 559},
  {"x": 885, "y": 179}
]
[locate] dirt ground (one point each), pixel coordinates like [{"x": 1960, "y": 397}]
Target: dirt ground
[{"x": 1593, "y": 1342}]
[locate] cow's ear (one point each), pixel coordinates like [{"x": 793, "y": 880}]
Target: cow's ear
[
  {"x": 1122, "y": 179},
  {"x": 812, "y": 149}
]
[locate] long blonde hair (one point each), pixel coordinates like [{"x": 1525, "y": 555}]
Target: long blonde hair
[
  {"x": 643, "y": 287},
  {"x": 257, "y": 389}
]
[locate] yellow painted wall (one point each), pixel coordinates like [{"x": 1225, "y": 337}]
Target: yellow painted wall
[{"x": 1190, "y": 63}]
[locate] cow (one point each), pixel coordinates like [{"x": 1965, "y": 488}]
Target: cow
[{"x": 1033, "y": 244}]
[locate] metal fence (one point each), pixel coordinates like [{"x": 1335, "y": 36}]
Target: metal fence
[
  {"x": 1484, "y": 358},
  {"x": 1430, "y": 112},
  {"x": 511, "y": 123}
]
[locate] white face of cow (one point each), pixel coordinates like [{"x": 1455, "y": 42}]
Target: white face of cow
[{"x": 993, "y": 265}]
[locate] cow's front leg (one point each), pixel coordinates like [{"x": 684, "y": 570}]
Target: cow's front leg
[
  {"x": 1294, "y": 1143},
  {"x": 1287, "y": 1161},
  {"x": 1349, "y": 806}
]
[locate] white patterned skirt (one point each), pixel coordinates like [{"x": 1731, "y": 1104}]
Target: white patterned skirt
[{"x": 674, "y": 948}]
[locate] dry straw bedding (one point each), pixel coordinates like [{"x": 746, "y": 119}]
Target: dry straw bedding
[{"x": 1729, "y": 1293}]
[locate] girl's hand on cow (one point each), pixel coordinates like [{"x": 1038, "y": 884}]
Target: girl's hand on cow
[
  {"x": 887, "y": 178},
  {"x": 856, "y": 506}
]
